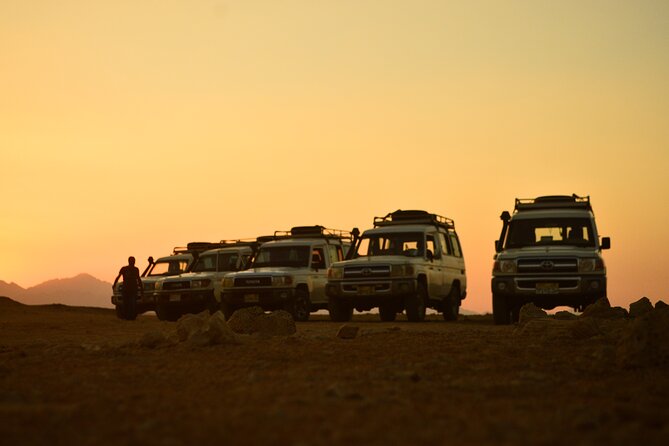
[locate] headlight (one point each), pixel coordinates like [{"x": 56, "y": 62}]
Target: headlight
[
  {"x": 401, "y": 270},
  {"x": 158, "y": 286},
  {"x": 590, "y": 265},
  {"x": 228, "y": 282},
  {"x": 282, "y": 280},
  {"x": 505, "y": 266},
  {"x": 335, "y": 273},
  {"x": 202, "y": 283}
]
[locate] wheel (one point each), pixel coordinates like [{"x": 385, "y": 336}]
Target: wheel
[
  {"x": 166, "y": 313},
  {"x": 300, "y": 306},
  {"x": 387, "y": 313},
  {"x": 212, "y": 305},
  {"x": 501, "y": 313},
  {"x": 120, "y": 312},
  {"x": 451, "y": 305},
  {"x": 415, "y": 305},
  {"x": 339, "y": 310}
]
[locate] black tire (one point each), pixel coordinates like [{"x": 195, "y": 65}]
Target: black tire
[
  {"x": 120, "y": 311},
  {"x": 166, "y": 313},
  {"x": 501, "y": 313},
  {"x": 451, "y": 305},
  {"x": 339, "y": 310},
  {"x": 387, "y": 313},
  {"x": 212, "y": 305},
  {"x": 415, "y": 305},
  {"x": 301, "y": 306}
]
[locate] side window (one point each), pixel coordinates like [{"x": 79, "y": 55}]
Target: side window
[
  {"x": 445, "y": 246},
  {"x": 430, "y": 246},
  {"x": 318, "y": 258},
  {"x": 456, "y": 245},
  {"x": 335, "y": 254}
]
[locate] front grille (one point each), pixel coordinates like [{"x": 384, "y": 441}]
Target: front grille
[
  {"x": 176, "y": 285},
  {"x": 366, "y": 272},
  {"x": 253, "y": 281},
  {"x": 548, "y": 265}
]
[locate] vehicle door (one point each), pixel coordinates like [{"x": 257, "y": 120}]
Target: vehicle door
[
  {"x": 318, "y": 273},
  {"x": 435, "y": 267},
  {"x": 456, "y": 267}
]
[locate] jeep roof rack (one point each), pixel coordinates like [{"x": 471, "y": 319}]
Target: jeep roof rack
[
  {"x": 313, "y": 232},
  {"x": 553, "y": 202},
  {"x": 400, "y": 217}
]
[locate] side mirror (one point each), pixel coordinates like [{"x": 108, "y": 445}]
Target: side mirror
[{"x": 606, "y": 243}]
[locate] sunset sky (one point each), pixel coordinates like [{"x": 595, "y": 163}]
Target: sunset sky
[{"x": 130, "y": 127}]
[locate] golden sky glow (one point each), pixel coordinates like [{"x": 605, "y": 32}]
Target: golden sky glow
[{"x": 130, "y": 127}]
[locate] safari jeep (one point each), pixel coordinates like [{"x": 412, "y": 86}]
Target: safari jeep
[
  {"x": 549, "y": 253},
  {"x": 289, "y": 272},
  {"x": 409, "y": 261},
  {"x": 179, "y": 262},
  {"x": 200, "y": 289}
]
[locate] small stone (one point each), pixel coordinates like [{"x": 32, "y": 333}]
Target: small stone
[
  {"x": 152, "y": 339},
  {"x": 348, "y": 332},
  {"x": 640, "y": 307}
]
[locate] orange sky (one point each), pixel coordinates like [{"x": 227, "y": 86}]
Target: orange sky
[{"x": 129, "y": 127}]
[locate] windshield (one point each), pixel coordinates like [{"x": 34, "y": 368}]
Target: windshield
[
  {"x": 283, "y": 256},
  {"x": 409, "y": 244},
  {"x": 556, "y": 231},
  {"x": 168, "y": 267},
  {"x": 205, "y": 263}
]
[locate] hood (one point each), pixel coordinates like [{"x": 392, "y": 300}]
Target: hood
[
  {"x": 378, "y": 260},
  {"x": 266, "y": 271},
  {"x": 552, "y": 251},
  {"x": 190, "y": 276}
]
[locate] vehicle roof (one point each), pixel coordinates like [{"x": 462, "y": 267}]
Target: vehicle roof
[
  {"x": 228, "y": 249},
  {"x": 400, "y": 228},
  {"x": 552, "y": 213},
  {"x": 185, "y": 256},
  {"x": 301, "y": 241}
]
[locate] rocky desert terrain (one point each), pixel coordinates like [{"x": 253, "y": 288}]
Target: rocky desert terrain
[{"x": 72, "y": 375}]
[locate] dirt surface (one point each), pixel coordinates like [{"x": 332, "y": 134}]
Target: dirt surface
[{"x": 81, "y": 376}]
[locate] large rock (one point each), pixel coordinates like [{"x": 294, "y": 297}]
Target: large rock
[
  {"x": 646, "y": 341},
  {"x": 190, "y": 323},
  {"x": 243, "y": 321},
  {"x": 276, "y": 323},
  {"x": 660, "y": 304},
  {"x": 565, "y": 316},
  {"x": 602, "y": 309},
  {"x": 530, "y": 312},
  {"x": 640, "y": 307},
  {"x": 204, "y": 330},
  {"x": 253, "y": 320},
  {"x": 348, "y": 332}
]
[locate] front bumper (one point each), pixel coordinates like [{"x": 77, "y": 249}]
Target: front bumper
[
  {"x": 268, "y": 297},
  {"x": 367, "y": 294},
  {"x": 146, "y": 302},
  {"x": 187, "y": 298},
  {"x": 571, "y": 290}
]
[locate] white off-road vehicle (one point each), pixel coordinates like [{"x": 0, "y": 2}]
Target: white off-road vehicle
[
  {"x": 289, "y": 272},
  {"x": 200, "y": 288},
  {"x": 179, "y": 262},
  {"x": 549, "y": 253},
  {"x": 409, "y": 261}
]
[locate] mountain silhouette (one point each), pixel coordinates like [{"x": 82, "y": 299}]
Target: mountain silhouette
[{"x": 82, "y": 290}]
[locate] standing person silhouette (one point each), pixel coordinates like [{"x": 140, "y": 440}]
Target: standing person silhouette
[{"x": 132, "y": 286}]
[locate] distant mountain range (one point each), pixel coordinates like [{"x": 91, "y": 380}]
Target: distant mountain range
[{"x": 83, "y": 290}]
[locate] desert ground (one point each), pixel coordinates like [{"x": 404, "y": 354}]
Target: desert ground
[{"x": 71, "y": 375}]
